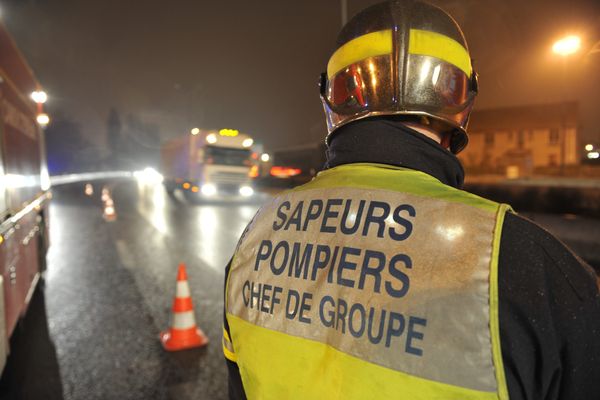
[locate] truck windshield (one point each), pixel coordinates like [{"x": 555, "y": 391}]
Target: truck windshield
[{"x": 227, "y": 156}]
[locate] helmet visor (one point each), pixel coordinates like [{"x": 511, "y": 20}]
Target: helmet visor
[
  {"x": 363, "y": 86},
  {"x": 438, "y": 76}
]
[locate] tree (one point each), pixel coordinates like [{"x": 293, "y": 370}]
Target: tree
[
  {"x": 140, "y": 143},
  {"x": 67, "y": 149}
]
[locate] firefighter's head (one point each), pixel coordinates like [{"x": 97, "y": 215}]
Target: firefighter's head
[{"x": 402, "y": 58}]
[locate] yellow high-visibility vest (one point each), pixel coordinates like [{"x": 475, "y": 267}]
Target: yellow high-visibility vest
[{"x": 369, "y": 282}]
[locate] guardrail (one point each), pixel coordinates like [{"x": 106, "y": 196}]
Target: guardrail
[
  {"x": 88, "y": 176},
  {"x": 543, "y": 197}
]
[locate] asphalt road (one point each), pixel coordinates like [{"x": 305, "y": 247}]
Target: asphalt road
[{"x": 92, "y": 332}]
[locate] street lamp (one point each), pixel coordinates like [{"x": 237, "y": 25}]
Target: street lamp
[
  {"x": 39, "y": 96},
  {"x": 43, "y": 119},
  {"x": 567, "y": 45},
  {"x": 195, "y": 131}
]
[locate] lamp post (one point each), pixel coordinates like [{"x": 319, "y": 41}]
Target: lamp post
[
  {"x": 344, "y": 7},
  {"x": 565, "y": 47}
]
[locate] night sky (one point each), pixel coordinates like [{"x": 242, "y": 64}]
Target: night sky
[{"x": 254, "y": 65}]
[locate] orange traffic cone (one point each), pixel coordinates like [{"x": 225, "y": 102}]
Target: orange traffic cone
[
  {"x": 183, "y": 334},
  {"x": 109, "y": 213}
]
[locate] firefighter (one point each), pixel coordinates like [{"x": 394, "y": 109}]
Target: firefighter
[{"x": 380, "y": 278}]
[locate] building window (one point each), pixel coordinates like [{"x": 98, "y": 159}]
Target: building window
[
  {"x": 489, "y": 138},
  {"x": 554, "y": 136}
]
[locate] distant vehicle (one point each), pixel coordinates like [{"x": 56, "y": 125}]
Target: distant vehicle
[
  {"x": 297, "y": 165},
  {"x": 24, "y": 185},
  {"x": 208, "y": 164}
]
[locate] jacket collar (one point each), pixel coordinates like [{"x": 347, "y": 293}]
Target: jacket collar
[{"x": 384, "y": 140}]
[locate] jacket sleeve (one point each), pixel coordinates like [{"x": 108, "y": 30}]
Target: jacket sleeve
[
  {"x": 236, "y": 389},
  {"x": 549, "y": 316}
]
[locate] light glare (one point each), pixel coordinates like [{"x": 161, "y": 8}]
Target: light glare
[
  {"x": 43, "y": 119},
  {"x": 39, "y": 97},
  {"x": 567, "y": 45},
  {"x": 209, "y": 189},
  {"x": 425, "y": 70},
  {"x": 229, "y": 132},
  {"x": 211, "y": 138},
  {"x": 450, "y": 233},
  {"x": 436, "y": 74},
  {"x": 247, "y": 142},
  {"x": 246, "y": 191},
  {"x": 265, "y": 157},
  {"x": 149, "y": 176}
]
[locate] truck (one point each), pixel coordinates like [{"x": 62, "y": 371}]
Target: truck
[
  {"x": 24, "y": 189},
  {"x": 208, "y": 164}
]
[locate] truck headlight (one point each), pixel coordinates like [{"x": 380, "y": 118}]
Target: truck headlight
[
  {"x": 246, "y": 191},
  {"x": 208, "y": 189}
]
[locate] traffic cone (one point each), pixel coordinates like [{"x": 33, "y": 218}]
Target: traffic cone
[
  {"x": 183, "y": 333},
  {"x": 109, "y": 211}
]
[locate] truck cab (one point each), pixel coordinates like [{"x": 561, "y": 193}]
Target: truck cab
[{"x": 212, "y": 164}]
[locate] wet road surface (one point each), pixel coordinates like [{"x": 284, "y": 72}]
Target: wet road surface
[
  {"x": 108, "y": 292},
  {"x": 92, "y": 333}
]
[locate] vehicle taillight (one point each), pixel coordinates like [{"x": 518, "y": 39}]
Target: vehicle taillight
[
  {"x": 285, "y": 172},
  {"x": 253, "y": 173}
]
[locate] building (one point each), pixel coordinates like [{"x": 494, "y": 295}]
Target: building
[{"x": 521, "y": 140}]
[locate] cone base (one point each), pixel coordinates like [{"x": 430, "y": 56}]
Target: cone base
[{"x": 174, "y": 340}]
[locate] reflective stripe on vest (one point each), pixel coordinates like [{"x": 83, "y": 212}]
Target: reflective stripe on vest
[{"x": 369, "y": 282}]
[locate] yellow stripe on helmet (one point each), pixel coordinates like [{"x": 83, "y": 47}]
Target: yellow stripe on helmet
[
  {"x": 370, "y": 45},
  {"x": 433, "y": 44}
]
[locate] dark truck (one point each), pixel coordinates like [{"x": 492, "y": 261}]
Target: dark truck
[{"x": 297, "y": 165}]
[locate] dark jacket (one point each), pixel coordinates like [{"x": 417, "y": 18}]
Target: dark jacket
[{"x": 549, "y": 298}]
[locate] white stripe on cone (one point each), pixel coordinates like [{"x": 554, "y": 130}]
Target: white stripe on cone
[
  {"x": 183, "y": 289},
  {"x": 184, "y": 320}
]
